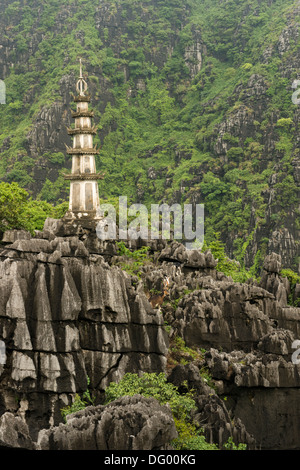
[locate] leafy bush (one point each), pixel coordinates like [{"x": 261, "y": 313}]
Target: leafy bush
[
  {"x": 13, "y": 200},
  {"x": 190, "y": 435},
  {"x": 19, "y": 211},
  {"x": 284, "y": 123},
  {"x": 190, "y": 438},
  {"x": 230, "y": 445},
  {"x": 79, "y": 403},
  {"x": 156, "y": 386},
  {"x": 294, "y": 279},
  {"x": 179, "y": 353},
  {"x": 225, "y": 265},
  {"x": 136, "y": 258}
]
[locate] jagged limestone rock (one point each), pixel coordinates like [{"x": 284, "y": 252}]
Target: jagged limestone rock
[
  {"x": 67, "y": 315},
  {"x": 128, "y": 423},
  {"x": 14, "y": 433},
  {"x": 68, "y": 312},
  {"x": 211, "y": 412}
]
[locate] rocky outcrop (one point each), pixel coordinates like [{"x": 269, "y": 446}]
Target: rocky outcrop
[
  {"x": 248, "y": 331},
  {"x": 129, "y": 423},
  {"x": 261, "y": 388},
  {"x": 211, "y": 413},
  {"x": 14, "y": 433},
  {"x": 67, "y": 315}
]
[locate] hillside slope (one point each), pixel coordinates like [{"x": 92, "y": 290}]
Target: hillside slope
[{"x": 193, "y": 103}]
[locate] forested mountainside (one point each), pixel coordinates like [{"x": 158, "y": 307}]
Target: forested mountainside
[{"x": 193, "y": 103}]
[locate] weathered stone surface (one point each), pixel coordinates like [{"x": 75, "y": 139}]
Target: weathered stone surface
[
  {"x": 12, "y": 235},
  {"x": 272, "y": 281},
  {"x": 272, "y": 263},
  {"x": 68, "y": 312},
  {"x": 262, "y": 391},
  {"x": 254, "y": 328},
  {"x": 211, "y": 413},
  {"x": 129, "y": 423},
  {"x": 224, "y": 314},
  {"x": 178, "y": 253},
  {"x": 14, "y": 433},
  {"x": 66, "y": 315}
]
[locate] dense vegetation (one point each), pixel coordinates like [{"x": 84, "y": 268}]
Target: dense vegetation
[
  {"x": 173, "y": 126},
  {"x": 20, "y": 211},
  {"x": 151, "y": 385}
]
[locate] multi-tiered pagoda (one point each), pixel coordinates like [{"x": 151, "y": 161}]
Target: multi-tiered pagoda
[{"x": 84, "y": 204}]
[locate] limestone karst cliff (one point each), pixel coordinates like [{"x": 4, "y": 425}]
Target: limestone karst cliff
[{"x": 70, "y": 312}]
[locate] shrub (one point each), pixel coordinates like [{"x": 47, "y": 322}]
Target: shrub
[
  {"x": 230, "y": 445},
  {"x": 156, "y": 386},
  {"x": 79, "y": 403},
  {"x": 294, "y": 279},
  {"x": 225, "y": 265},
  {"x": 135, "y": 259}
]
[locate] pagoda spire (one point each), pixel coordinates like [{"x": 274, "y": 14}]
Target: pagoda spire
[{"x": 84, "y": 195}]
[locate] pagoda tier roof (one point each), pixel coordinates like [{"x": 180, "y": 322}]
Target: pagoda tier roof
[
  {"x": 82, "y": 151},
  {"x": 82, "y": 130},
  {"x": 82, "y": 113},
  {"x": 82, "y": 98},
  {"x": 84, "y": 176}
]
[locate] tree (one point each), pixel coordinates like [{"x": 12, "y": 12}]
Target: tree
[
  {"x": 19, "y": 211},
  {"x": 13, "y": 200}
]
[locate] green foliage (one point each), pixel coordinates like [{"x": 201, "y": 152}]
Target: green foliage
[
  {"x": 79, "y": 403},
  {"x": 140, "y": 255},
  {"x": 225, "y": 265},
  {"x": 285, "y": 123},
  {"x": 294, "y": 279},
  {"x": 190, "y": 437},
  {"x": 230, "y": 445},
  {"x": 19, "y": 211},
  {"x": 13, "y": 201},
  {"x": 52, "y": 190},
  {"x": 57, "y": 157},
  {"x": 287, "y": 190},
  {"x": 179, "y": 353},
  {"x": 135, "y": 259},
  {"x": 156, "y": 386}
]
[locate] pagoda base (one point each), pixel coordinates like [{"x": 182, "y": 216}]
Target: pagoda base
[
  {"x": 72, "y": 224},
  {"x": 85, "y": 219}
]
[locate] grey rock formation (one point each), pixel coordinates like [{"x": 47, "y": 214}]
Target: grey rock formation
[
  {"x": 68, "y": 312},
  {"x": 248, "y": 331},
  {"x": 67, "y": 315},
  {"x": 14, "y": 433},
  {"x": 211, "y": 413},
  {"x": 129, "y": 423},
  {"x": 262, "y": 390}
]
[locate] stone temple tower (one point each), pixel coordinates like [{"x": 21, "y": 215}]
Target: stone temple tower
[{"x": 84, "y": 204}]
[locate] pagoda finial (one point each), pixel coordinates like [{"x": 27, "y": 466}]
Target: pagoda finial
[
  {"x": 81, "y": 85},
  {"x": 80, "y": 73}
]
